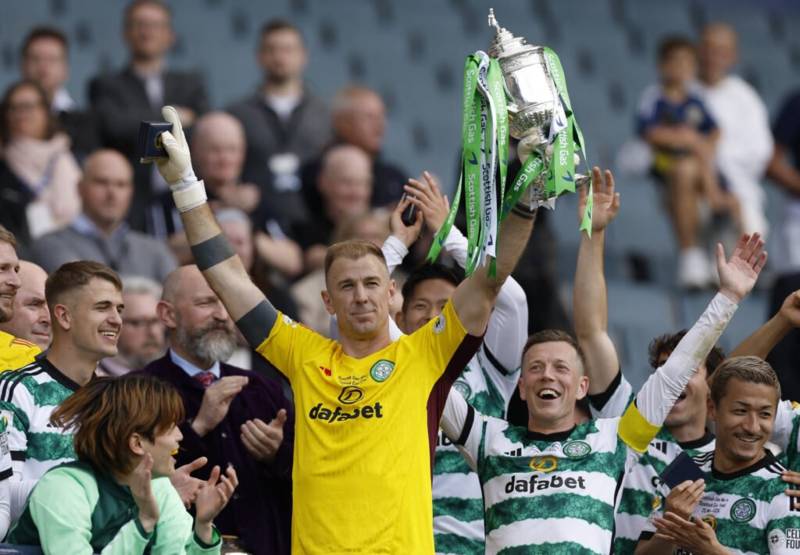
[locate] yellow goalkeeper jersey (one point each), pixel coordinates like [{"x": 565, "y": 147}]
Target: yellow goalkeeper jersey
[
  {"x": 15, "y": 352},
  {"x": 362, "y": 474}
]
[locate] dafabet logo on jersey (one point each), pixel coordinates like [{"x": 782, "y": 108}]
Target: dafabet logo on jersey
[
  {"x": 537, "y": 482},
  {"x": 337, "y": 414}
]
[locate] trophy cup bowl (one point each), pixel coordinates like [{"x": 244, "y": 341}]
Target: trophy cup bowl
[{"x": 529, "y": 87}]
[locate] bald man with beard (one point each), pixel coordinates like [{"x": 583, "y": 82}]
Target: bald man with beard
[
  {"x": 100, "y": 232},
  {"x": 233, "y": 416},
  {"x": 31, "y": 319}
]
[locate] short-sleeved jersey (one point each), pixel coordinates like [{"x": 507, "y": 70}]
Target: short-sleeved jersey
[
  {"x": 550, "y": 493},
  {"x": 749, "y": 509},
  {"x": 457, "y": 497},
  {"x": 16, "y": 352},
  {"x": 655, "y": 109},
  {"x": 28, "y": 396},
  {"x": 362, "y": 471}
]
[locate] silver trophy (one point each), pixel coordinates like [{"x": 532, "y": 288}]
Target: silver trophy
[
  {"x": 531, "y": 94},
  {"x": 529, "y": 87}
]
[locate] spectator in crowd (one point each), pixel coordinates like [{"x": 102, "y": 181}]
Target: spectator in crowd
[
  {"x": 683, "y": 137},
  {"x": 14, "y": 351},
  {"x": 31, "y": 319},
  {"x": 234, "y": 417},
  {"x": 142, "y": 337},
  {"x": 745, "y": 143},
  {"x": 44, "y": 59},
  {"x": 372, "y": 226},
  {"x": 285, "y": 124},
  {"x": 349, "y": 383},
  {"x": 100, "y": 233},
  {"x": 218, "y": 146},
  {"x": 122, "y": 99},
  {"x": 38, "y": 173},
  {"x": 345, "y": 185},
  {"x": 117, "y": 498},
  {"x": 784, "y": 169},
  {"x": 359, "y": 119},
  {"x": 85, "y": 302}
]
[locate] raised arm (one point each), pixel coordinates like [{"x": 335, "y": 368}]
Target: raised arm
[
  {"x": 213, "y": 254},
  {"x": 475, "y": 297},
  {"x": 589, "y": 297},
  {"x": 737, "y": 277},
  {"x": 764, "y": 339}
]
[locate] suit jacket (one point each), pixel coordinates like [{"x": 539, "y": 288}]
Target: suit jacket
[
  {"x": 120, "y": 102},
  {"x": 304, "y": 134},
  {"x": 259, "y": 512}
]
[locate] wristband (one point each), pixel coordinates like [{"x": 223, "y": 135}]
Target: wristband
[
  {"x": 189, "y": 196},
  {"x": 525, "y": 211}
]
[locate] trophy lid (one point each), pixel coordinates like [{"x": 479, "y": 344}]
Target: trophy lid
[{"x": 504, "y": 42}]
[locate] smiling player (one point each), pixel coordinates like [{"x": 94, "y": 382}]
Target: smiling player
[{"x": 85, "y": 301}]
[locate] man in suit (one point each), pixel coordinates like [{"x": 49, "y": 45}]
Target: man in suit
[
  {"x": 285, "y": 124},
  {"x": 44, "y": 59},
  {"x": 123, "y": 99},
  {"x": 233, "y": 416}
]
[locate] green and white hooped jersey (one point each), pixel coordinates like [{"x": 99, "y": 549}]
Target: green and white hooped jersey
[
  {"x": 642, "y": 489},
  {"x": 749, "y": 509},
  {"x": 550, "y": 494},
  {"x": 457, "y": 497},
  {"x": 28, "y": 396}
]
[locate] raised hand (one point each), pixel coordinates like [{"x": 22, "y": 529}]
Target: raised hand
[
  {"x": 177, "y": 167},
  {"x": 211, "y": 499},
  {"x": 684, "y": 497},
  {"x": 428, "y": 197},
  {"x": 605, "y": 206},
  {"x": 142, "y": 492},
  {"x": 738, "y": 275},
  {"x": 262, "y": 440},
  {"x": 406, "y": 234},
  {"x": 216, "y": 402},
  {"x": 185, "y": 484},
  {"x": 790, "y": 309}
]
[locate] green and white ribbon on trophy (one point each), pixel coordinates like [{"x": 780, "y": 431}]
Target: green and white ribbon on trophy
[{"x": 485, "y": 147}]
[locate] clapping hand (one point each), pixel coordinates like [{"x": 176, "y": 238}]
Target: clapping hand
[
  {"x": 185, "y": 484},
  {"x": 694, "y": 534},
  {"x": 141, "y": 488},
  {"x": 263, "y": 440},
  {"x": 211, "y": 499},
  {"x": 684, "y": 497}
]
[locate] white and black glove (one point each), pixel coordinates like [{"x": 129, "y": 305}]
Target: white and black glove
[{"x": 187, "y": 191}]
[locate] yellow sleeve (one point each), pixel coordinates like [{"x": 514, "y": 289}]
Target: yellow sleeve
[
  {"x": 444, "y": 345},
  {"x": 288, "y": 344}
]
